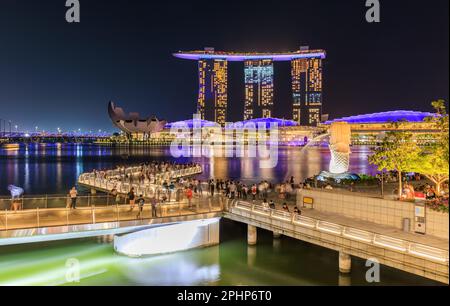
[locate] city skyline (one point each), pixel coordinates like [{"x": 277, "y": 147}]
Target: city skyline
[
  {"x": 63, "y": 75},
  {"x": 203, "y": 147}
]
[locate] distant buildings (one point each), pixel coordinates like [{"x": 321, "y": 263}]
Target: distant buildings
[
  {"x": 306, "y": 76},
  {"x": 371, "y": 128},
  {"x": 367, "y": 129},
  {"x": 132, "y": 124}
]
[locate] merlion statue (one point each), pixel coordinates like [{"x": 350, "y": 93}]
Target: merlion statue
[
  {"x": 339, "y": 147},
  {"x": 15, "y": 191}
]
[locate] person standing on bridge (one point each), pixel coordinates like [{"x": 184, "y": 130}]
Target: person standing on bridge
[
  {"x": 141, "y": 203},
  {"x": 292, "y": 182},
  {"x": 131, "y": 198},
  {"x": 154, "y": 203},
  {"x": 212, "y": 186},
  {"x": 254, "y": 192},
  {"x": 73, "y": 198},
  {"x": 189, "y": 196}
]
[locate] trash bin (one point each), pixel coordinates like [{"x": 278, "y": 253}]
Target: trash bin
[{"x": 406, "y": 224}]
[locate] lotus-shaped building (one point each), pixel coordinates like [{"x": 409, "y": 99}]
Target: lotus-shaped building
[{"x": 132, "y": 123}]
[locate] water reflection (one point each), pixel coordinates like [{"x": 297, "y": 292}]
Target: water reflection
[
  {"x": 178, "y": 269},
  {"x": 53, "y": 168},
  {"x": 251, "y": 255}
]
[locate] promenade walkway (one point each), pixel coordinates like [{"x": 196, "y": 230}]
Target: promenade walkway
[
  {"x": 102, "y": 213},
  {"x": 426, "y": 256}
]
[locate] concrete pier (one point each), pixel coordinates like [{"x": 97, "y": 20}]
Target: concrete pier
[
  {"x": 345, "y": 263},
  {"x": 426, "y": 256},
  {"x": 251, "y": 235}
]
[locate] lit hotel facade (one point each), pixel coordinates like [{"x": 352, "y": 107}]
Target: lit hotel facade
[
  {"x": 306, "y": 74},
  {"x": 258, "y": 89},
  {"x": 213, "y": 93}
]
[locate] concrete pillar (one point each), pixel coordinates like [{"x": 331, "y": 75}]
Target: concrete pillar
[
  {"x": 276, "y": 235},
  {"x": 345, "y": 262},
  {"x": 251, "y": 235}
]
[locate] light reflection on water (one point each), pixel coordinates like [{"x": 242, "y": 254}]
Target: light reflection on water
[{"x": 54, "y": 168}]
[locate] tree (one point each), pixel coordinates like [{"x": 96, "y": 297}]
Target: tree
[
  {"x": 433, "y": 161},
  {"x": 396, "y": 152}
]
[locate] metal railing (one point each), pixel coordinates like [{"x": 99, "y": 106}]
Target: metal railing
[
  {"x": 150, "y": 188},
  {"x": 376, "y": 239},
  {"x": 50, "y": 217},
  {"x": 52, "y": 201},
  {"x": 117, "y": 175}
]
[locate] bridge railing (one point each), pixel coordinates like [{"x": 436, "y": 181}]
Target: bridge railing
[
  {"x": 149, "y": 188},
  {"x": 52, "y": 201},
  {"x": 373, "y": 238},
  {"x": 37, "y": 218},
  {"x": 117, "y": 176}
]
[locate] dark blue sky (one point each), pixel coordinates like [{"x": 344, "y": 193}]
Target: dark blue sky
[{"x": 57, "y": 74}]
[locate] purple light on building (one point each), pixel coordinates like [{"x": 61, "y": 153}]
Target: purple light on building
[
  {"x": 384, "y": 117},
  {"x": 240, "y": 57}
]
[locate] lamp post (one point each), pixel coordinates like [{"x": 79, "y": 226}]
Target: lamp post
[{"x": 1, "y": 127}]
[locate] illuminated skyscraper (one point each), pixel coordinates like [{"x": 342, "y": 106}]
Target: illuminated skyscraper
[
  {"x": 212, "y": 94},
  {"x": 258, "y": 89},
  {"x": 307, "y": 90},
  {"x": 306, "y": 83}
]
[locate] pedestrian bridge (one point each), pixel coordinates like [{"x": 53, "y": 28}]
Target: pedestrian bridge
[
  {"x": 46, "y": 224},
  {"x": 414, "y": 255},
  {"x": 426, "y": 256}
]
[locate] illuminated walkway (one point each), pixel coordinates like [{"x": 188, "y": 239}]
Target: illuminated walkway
[
  {"x": 52, "y": 217},
  {"x": 426, "y": 256}
]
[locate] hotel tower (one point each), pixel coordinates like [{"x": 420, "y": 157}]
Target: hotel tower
[{"x": 306, "y": 74}]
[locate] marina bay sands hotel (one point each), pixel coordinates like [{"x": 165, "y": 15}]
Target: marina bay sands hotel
[{"x": 306, "y": 73}]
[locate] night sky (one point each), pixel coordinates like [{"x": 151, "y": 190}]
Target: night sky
[{"x": 56, "y": 74}]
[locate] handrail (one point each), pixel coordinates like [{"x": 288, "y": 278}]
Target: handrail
[
  {"x": 373, "y": 238},
  {"x": 37, "y": 218},
  {"x": 150, "y": 188}
]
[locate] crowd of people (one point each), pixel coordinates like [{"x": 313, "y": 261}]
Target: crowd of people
[
  {"x": 427, "y": 192},
  {"x": 188, "y": 188},
  {"x": 145, "y": 173},
  {"x": 235, "y": 189}
]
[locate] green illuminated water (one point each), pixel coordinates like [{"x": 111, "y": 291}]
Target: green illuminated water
[{"x": 272, "y": 262}]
